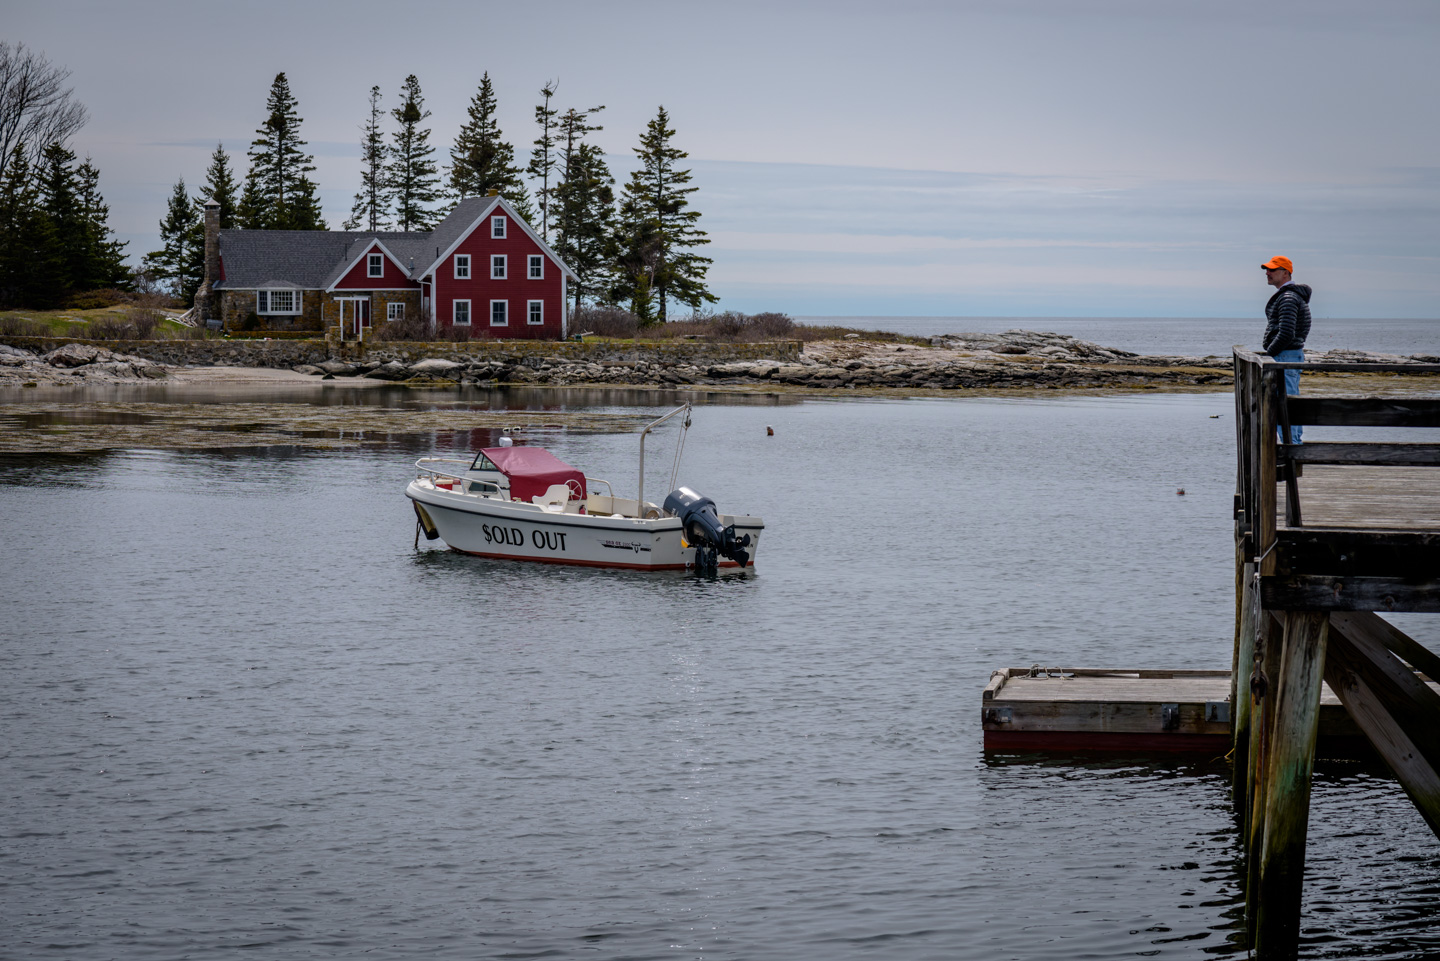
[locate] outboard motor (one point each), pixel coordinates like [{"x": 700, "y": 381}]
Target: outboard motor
[{"x": 701, "y": 524}]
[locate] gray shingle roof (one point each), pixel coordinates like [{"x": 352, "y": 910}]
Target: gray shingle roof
[{"x": 314, "y": 259}]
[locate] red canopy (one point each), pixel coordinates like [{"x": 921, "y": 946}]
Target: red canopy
[{"x": 533, "y": 469}]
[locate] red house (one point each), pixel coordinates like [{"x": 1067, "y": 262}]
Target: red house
[{"x": 482, "y": 271}]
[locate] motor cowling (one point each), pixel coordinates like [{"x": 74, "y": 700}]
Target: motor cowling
[{"x": 701, "y": 523}]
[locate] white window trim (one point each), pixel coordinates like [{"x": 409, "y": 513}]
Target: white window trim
[
  {"x": 458, "y": 259},
  {"x": 506, "y": 305},
  {"x": 395, "y": 310},
  {"x": 263, "y": 302},
  {"x": 502, "y": 262},
  {"x": 533, "y": 261},
  {"x": 530, "y": 313},
  {"x": 374, "y": 265},
  {"x": 454, "y": 311},
  {"x": 497, "y": 228}
]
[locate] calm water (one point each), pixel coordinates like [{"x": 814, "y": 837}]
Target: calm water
[
  {"x": 1190, "y": 336},
  {"x": 241, "y": 712}
]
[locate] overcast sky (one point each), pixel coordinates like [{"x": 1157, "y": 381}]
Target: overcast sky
[{"x": 1007, "y": 158}]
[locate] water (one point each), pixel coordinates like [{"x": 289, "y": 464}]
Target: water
[
  {"x": 240, "y": 711},
  {"x": 1186, "y": 336}
]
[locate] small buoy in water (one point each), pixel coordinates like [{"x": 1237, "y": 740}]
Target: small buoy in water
[
  {"x": 505, "y": 441},
  {"x": 1214, "y": 416},
  {"x": 1181, "y": 492},
  {"x": 769, "y": 431}
]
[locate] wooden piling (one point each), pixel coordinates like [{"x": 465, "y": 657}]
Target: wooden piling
[
  {"x": 1247, "y": 626},
  {"x": 1288, "y": 768}
]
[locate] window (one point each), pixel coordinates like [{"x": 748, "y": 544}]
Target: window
[
  {"x": 395, "y": 310},
  {"x": 460, "y": 313},
  {"x": 536, "y": 312},
  {"x": 497, "y": 227},
  {"x": 375, "y": 266},
  {"x": 277, "y": 301},
  {"x": 499, "y": 316},
  {"x": 497, "y": 266},
  {"x": 537, "y": 267},
  {"x": 462, "y": 266}
]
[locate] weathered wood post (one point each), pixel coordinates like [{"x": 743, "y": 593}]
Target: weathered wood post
[
  {"x": 1247, "y": 627},
  {"x": 1287, "y": 792},
  {"x": 1265, "y": 668}
]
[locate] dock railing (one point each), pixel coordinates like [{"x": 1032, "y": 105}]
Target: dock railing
[{"x": 1307, "y": 593}]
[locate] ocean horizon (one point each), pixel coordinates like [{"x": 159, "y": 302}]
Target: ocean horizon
[{"x": 1188, "y": 336}]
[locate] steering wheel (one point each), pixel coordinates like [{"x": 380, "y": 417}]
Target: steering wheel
[{"x": 574, "y": 487}]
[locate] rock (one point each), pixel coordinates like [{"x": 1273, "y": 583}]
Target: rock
[
  {"x": 391, "y": 371},
  {"x": 75, "y": 355},
  {"x": 337, "y": 368},
  {"x": 435, "y": 367},
  {"x": 307, "y": 369},
  {"x": 852, "y": 336}
]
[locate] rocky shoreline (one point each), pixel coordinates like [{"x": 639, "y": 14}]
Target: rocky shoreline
[{"x": 967, "y": 361}]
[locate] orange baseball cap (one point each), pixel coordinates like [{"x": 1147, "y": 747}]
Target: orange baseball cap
[{"x": 1281, "y": 263}]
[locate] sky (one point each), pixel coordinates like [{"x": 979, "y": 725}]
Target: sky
[{"x": 1025, "y": 158}]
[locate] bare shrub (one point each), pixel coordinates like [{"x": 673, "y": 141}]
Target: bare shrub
[
  {"x": 23, "y": 327},
  {"x": 411, "y": 327},
  {"x": 769, "y": 325},
  {"x": 605, "y": 322},
  {"x": 143, "y": 322},
  {"x": 106, "y": 328},
  {"x": 453, "y": 334}
]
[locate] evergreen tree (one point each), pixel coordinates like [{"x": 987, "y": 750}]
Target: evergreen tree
[
  {"x": 104, "y": 264},
  {"x": 637, "y": 258},
  {"x": 278, "y": 193},
  {"x": 657, "y": 224},
  {"x": 414, "y": 179},
  {"x": 586, "y": 202},
  {"x": 31, "y": 268},
  {"x": 482, "y": 161},
  {"x": 370, "y": 211},
  {"x": 543, "y": 156},
  {"x": 220, "y": 188},
  {"x": 180, "y": 262}
]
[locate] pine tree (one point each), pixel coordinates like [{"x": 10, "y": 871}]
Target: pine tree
[
  {"x": 180, "y": 262},
  {"x": 637, "y": 258},
  {"x": 105, "y": 256},
  {"x": 31, "y": 268},
  {"x": 278, "y": 193},
  {"x": 370, "y": 211},
  {"x": 220, "y": 188},
  {"x": 482, "y": 161},
  {"x": 657, "y": 224},
  {"x": 413, "y": 177},
  {"x": 586, "y": 202},
  {"x": 542, "y": 156}
]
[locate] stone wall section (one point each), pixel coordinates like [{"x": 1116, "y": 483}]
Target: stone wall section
[{"x": 291, "y": 353}]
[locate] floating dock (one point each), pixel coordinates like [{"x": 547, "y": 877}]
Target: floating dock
[{"x": 1080, "y": 709}]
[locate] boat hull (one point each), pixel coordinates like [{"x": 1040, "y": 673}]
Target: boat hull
[{"x": 509, "y": 530}]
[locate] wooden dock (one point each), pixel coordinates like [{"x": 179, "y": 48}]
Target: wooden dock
[
  {"x": 1327, "y": 534},
  {"x": 1080, "y": 709}
]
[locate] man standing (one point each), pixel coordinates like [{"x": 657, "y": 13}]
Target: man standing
[{"x": 1287, "y": 323}]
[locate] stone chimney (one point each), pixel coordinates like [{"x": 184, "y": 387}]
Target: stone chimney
[{"x": 205, "y": 304}]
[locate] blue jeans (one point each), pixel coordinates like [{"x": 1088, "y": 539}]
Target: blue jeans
[{"x": 1292, "y": 383}]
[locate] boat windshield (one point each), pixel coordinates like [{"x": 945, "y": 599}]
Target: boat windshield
[{"x": 483, "y": 463}]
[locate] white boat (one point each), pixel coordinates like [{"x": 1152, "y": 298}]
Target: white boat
[{"x": 524, "y": 503}]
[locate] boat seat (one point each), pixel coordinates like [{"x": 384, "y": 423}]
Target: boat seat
[{"x": 554, "y": 498}]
